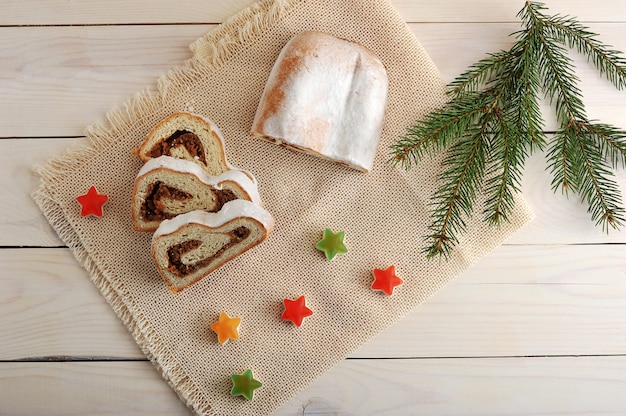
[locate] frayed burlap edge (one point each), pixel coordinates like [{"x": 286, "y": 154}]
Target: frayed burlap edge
[
  {"x": 210, "y": 52},
  {"x": 145, "y": 337}
]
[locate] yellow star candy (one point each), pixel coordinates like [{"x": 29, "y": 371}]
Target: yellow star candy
[
  {"x": 226, "y": 328},
  {"x": 332, "y": 244}
]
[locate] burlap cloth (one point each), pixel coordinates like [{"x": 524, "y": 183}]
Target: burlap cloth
[{"x": 384, "y": 215}]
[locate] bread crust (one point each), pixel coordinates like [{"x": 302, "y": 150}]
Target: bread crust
[
  {"x": 213, "y": 145},
  {"x": 199, "y": 224}
]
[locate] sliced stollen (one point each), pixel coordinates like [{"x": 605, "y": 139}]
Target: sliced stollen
[
  {"x": 188, "y": 136},
  {"x": 327, "y": 97},
  {"x": 190, "y": 246},
  {"x": 166, "y": 187}
]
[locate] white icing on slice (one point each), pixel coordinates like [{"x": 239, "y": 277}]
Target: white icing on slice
[
  {"x": 186, "y": 166},
  {"x": 230, "y": 211}
]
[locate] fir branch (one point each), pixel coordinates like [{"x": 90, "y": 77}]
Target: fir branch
[
  {"x": 596, "y": 186},
  {"x": 437, "y": 131},
  {"x": 584, "y": 167},
  {"x": 453, "y": 203},
  {"x": 530, "y": 120},
  {"x": 505, "y": 171},
  {"x": 493, "y": 122},
  {"x": 577, "y": 36},
  {"x": 611, "y": 141},
  {"x": 529, "y": 123},
  {"x": 479, "y": 73},
  {"x": 561, "y": 156},
  {"x": 559, "y": 80},
  {"x": 520, "y": 127}
]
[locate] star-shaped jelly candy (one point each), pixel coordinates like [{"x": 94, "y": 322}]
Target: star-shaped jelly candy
[
  {"x": 226, "y": 328},
  {"x": 92, "y": 202},
  {"x": 244, "y": 384},
  {"x": 296, "y": 310},
  {"x": 332, "y": 244},
  {"x": 386, "y": 280}
]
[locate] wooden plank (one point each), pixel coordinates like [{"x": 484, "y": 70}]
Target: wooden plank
[
  {"x": 468, "y": 387},
  {"x": 519, "y": 301},
  {"x": 84, "y": 388},
  {"x": 50, "y": 308},
  {"x": 66, "y": 78},
  {"x": 488, "y": 11},
  {"x": 23, "y": 224},
  {"x": 481, "y": 387},
  {"x": 55, "y": 12},
  {"x": 559, "y": 220},
  {"x": 57, "y": 80}
]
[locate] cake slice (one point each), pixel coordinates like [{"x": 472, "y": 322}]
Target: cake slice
[
  {"x": 190, "y": 246},
  {"x": 166, "y": 187},
  {"x": 190, "y": 137},
  {"x": 326, "y": 97}
]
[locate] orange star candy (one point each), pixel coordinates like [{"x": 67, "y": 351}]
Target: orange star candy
[
  {"x": 386, "y": 280},
  {"x": 92, "y": 202},
  {"x": 226, "y": 328},
  {"x": 296, "y": 310}
]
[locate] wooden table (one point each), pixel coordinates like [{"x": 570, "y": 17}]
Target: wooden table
[{"x": 537, "y": 327}]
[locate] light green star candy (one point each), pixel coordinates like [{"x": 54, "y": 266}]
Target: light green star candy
[
  {"x": 332, "y": 244},
  {"x": 244, "y": 384}
]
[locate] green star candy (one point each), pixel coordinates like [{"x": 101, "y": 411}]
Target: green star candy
[
  {"x": 244, "y": 384},
  {"x": 332, "y": 244}
]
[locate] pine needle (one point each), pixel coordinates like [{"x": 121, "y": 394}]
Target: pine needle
[{"x": 493, "y": 123}]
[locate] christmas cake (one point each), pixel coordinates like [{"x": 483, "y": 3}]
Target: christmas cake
[
  {"x": 325, "y": 96},
  {"x": 192, "y": 245},
  {"x": 166, "y": 187}
]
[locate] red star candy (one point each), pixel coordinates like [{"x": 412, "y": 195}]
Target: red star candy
[
  {"x": 296, "y": 310},
  {"x": 386, "y": 280},
  {"x": 92, "y": 202}
]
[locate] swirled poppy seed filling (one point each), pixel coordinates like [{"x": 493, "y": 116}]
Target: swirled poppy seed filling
[
  {"x": 177, "y": 251},
  {"x": 190, "y": 141}
]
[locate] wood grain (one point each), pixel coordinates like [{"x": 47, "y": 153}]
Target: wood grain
[
  {"x": 69, "y": 77},
  {"x": 474, "y": 387},
  {"x": 23, "y": 223},
  {"x": 58, "y": 80},
  {"x": 519, "y": 301},
  {"x": 84, "y": 388},
  {"x": 59, "y": 12},
  {"x": 50, "y": 308},
  {"x": 33, "y": 12},
  {"x": 481, "y": 387}
]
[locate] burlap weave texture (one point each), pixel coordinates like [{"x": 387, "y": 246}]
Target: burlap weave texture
[{"x": 383, "y": 214}]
